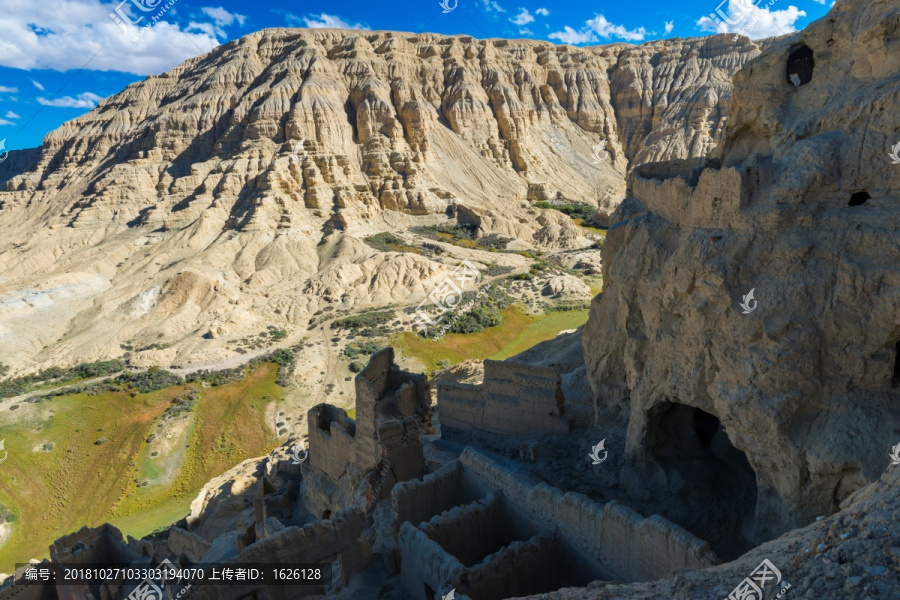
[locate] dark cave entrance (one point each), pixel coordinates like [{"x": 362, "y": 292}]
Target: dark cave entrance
[
  {"x": 859, "y": 198},
  {"x": 800, "y": 64},
  {"x": 709, "y": 487},
  {"x": 895, "y": 381}
]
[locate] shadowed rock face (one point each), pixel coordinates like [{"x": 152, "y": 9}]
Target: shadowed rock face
[{"x": 803, "y": 384}]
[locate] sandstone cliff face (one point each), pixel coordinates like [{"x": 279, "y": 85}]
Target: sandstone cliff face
[
  {"x": 805, "y": 385},
  {"x": 250, "y": 174}
]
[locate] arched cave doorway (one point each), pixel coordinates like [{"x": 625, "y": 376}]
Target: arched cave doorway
[
  {"x": 709, "y": 487},
  {"x": 800, "y": 64}
]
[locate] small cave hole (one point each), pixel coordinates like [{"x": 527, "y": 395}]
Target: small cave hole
[
  {"x": 800, "y": 65},
  {"x": 896, "y": 379},
  {"x": 859, "y": 198},
  {"x": 326, "y": 514}
]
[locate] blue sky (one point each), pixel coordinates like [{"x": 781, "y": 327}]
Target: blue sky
[{"x": 59, "y": 57}]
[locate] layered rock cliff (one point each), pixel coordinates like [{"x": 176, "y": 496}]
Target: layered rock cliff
[
  {"x": 236, "y": 188},
  {"x": 784, "y": 398}
]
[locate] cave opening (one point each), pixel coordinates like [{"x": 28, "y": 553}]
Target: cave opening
[
  {"x": 800, "y": 66},
  {"x": 859, "y": 198},
  {"x": 895, "y": 381},
  {"x": 709, "y": 487}
]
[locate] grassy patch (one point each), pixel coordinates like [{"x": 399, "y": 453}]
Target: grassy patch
[
  {"x": 597, "y": 230},
  {"x": 388, "y": 242},
  {"x": 80, "y": 482},
  {"x": 575, "y": 210},
  {"x": 518, "y": 333}
]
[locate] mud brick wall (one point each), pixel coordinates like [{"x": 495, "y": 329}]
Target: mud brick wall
[
  {"x": 520, "y": 569},
  {"x": 472, "y": 531},
  {"x": 331, "y": 440},
  {"x": 425, "y": 563},
  {"x": 418, "y": 501},
  {"x": 625, "y": 544},
  {"x": 514, "y": 399},
  {"x": 190, "y": 544}
]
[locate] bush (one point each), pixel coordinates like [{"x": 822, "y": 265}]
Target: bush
[
  {"x": 367, "y": 321},
  {"x": 20, "y": 385},
  {"x": 575, "y": 210},
  {"x": 476, "y": 319},
  {"x": 388, "y": 242},
  {"x": 150, "y": 380},
  {"x": 364, "y": 349},
  {"x": 356, "y": 367}
]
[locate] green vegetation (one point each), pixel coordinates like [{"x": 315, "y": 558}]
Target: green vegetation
[
  {"x": 463, "y": 235},
  {"x": 480, "y": 317},
  {"x": 495, "y": 270},
  {"x": 519, "y": 332},
  {"x": 597, "y": 230},
  {"x": 475, "y": 312},
  {"x": 144, "y": 382},
  {"x": 388, "y": 242},
  {"x": 79, "y": 481},
  {"x": 260, "y": 340},
  {"x": 367, "y": 324},
  {"x": 56, "y": 376},
  {"x": 364, "y": 349},
  {"x": 576, "y": 210}
]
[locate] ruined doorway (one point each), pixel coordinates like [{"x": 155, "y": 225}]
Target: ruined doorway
[{"x": 709, "y": 487}]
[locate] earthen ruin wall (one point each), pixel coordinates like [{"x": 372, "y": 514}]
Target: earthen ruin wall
[
  {"x": 469, "y": 532},
  {"x": 317, "y": 542},
  {"x": 523, "y": 567},
  {"x": 417, "y": 501},
  {"x": 188, "y": 543},
  {"x": 625, "y": 544},
  {"x": 425, "y": 563},
  {"x": 514, "y": 399}
]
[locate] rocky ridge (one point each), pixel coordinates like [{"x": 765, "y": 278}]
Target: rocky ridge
[{"x": 234, "y": 191}]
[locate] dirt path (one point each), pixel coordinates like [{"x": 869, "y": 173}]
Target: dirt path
[{"x": 330, "y": 361}]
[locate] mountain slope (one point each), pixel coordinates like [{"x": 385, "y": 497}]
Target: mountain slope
[{"x": 234, "y": 191}]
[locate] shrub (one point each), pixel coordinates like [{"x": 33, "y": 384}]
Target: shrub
[
  {"x": 150, "y": 380},
  {"x": 367, "y": 321}
]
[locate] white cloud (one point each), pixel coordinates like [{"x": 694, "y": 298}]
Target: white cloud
[
  {"x": 670, "y": 25},
  {"x": 570, "y": 36},
  {"x": 221, "y": 17},
  {"x": 605, "y": 29},
  {"x": 37, "y": 85},
  {"x": 523, "y": 18},
  {"x": 526, "y": 31},
  {"x": 72, "y": 34},
  {"x": 7, "y": 90},
  {"x": 5, "y": 122},
  {"x": 324, "y": 21},
  {"x": 490, "y": 5},
  {"x": 745, "y": 18},
  {"x": 85, "y": 100},
  {"x": 11, "y": 115},
  {"x": 597, "y": 28},
  {"x": 542, "y": 11}
]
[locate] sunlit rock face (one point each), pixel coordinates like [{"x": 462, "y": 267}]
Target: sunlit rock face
[
  {"x": 757, "y": 414},
  {"x": 236, "y": 189}
]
